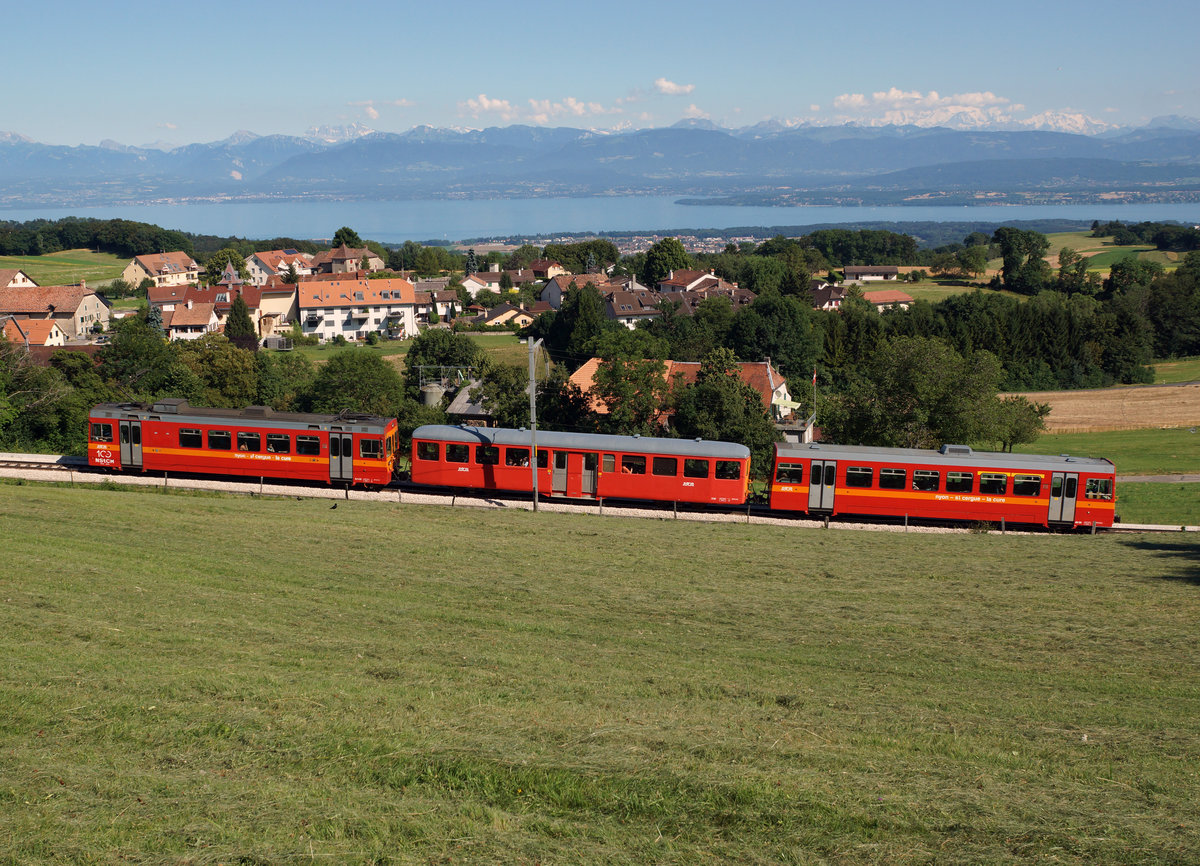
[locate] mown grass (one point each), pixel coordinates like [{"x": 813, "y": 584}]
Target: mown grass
[
  {"x": 1176, "y": 372},
  {"x": 1171, "y": 451},
  {"x": 503, "y": 348},
  {"x": 1161, "y": 503},
  {"x": 210, "y": 680},
  {"x": 68, "y": 267}
]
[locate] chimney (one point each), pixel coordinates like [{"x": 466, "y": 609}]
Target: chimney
[{"x": 189, "y": 303}]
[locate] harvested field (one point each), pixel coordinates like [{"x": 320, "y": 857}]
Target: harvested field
[{"x": 1121, "y": 408}]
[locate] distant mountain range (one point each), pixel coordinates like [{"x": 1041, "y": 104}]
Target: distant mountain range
[{"x": 764, "y": 164}]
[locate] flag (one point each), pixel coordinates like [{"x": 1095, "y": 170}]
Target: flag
[{"x": 814, "y": 375}]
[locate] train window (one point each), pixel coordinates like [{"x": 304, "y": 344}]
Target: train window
[
  {"x": 516, "y": 456},
  {"x": 102, "y": 433},
  {"x": 190, "y": 438},
  {"x": 457, "y": 452},
  {"x": 1027, "y": 485},
  {"x": 1098, "y": 488},
  {"x": 665, "y": 466},
  {"x": 220, "y": 440},
  {"x": 859, "y": 476},
  {"x": 609, "y": 464},
  {"x": 427, "y": 451},
  {"x": 729, "y": 470},
  {"x": 830, "y": 474},
  {"x": 249, "y": 442},
  {"x": 308, "y": 445},
  {"x": 993, "y": 483},
  {"x": 893, "y": 479},
  {"x": 959, "y": 482},
  {"x": 790, "y": 473},
  {"x": 695, "y": 467},
  {"x": 370, "y": 449},
  {"x": 633, "y": 464},
  {"x": 487, "y": 455},
  {"x": 1069, "y": 494},
  {"x": 279, "y": 443},
  {"x": 543, "y": 459},
  {"x": 925, "y": 479}
]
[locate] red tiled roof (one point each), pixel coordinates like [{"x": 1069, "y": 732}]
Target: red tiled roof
[
  {"x": 167, "y": 263},
  {"x": 64, "y": 299},
  {"x": 759, "y": 375},
  {"x": 354, "y": 293},
  {"x": 200, "y": 314}
]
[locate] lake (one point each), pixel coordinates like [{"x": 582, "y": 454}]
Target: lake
[{"x": 396, "y": 221}]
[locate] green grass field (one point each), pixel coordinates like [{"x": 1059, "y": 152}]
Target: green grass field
[
  {"x": 1159, "y": 503},
  {"x": 1175, "y": 372},
  {"x": 1102, "y": 252},
  {"x": 1135, "y": 452},
  {"x": 502, "y": 348},
  {"x": 68, "y": 267},
  {"x": 437, "y": 685}
]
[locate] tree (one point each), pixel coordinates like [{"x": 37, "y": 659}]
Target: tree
[
  {"x": 664, "y": 257},
  {"x": 720, "y": 406},
  {"x": 636, "y": 393},
  {"x": 438, "y": 347},
  {"x": 291, "y": 276},
  {"x": 578, "y": 322},
  {"x": 214, "y": 268},
  {"x": 503, "y": 391},
  {"x": 973, "y": 260},
  {"x": 283, "y": 377},
  {"x": 228, "y": 376},
  {"x": 348, "y": 237},
  {"x": 506, "y": 282},
  {"x": 238, "y": 323},
  {"x": 776, "y": 327},
  {"x": 1024, "y": 270},
  {"x": 472, "y": 265},
  {"x": 358, "y": 381},
  {"x": 1018, "y": 421}
]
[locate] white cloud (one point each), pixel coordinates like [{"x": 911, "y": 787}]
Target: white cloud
[
  {"x": 369, "y": 109},
  {"x": 670, "y": 88},
  {"x": 693, "y": 111},
  {"x": 482, "y": 104},
  {"x": 166, "y": 124},
  {"x": 814, "y": 107}
]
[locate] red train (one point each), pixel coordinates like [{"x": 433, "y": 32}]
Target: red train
[
  {"x": 953, "y": 483},
  {"x": 581, "y": 465},
  {"x": 256, "y": 442}
]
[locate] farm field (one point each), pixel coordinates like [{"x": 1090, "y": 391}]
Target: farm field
[
  {"x": 68, "y": 267},
  {"x": 1124, "y": 408},
  {"x": 583, "y": 689},
  {"x": 1171, "y": 451},
  {"x": 1102, "y": 252},
  {"x": 1175, "y": 372}
]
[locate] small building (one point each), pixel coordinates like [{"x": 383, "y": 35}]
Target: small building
[
  {"x": 353, "y": 308},
  {"x": 505, "y": 314},
  {"x": 77, "y": 309},
  {"x": 191, "y": 320},
  {"x": 886, "y": 299},
  {"x": 277, "y": 263},
  {"x": 34, "y": 332},
  {"x": 629, "y": 308},
  {"x": 866, "y": 273},
  {"x": 544, "y": 269},
  {"x": 826, "y": 296},
  {"x": 166, "y": 269},
  {"x": 346, "y": 260},
  {"x": 15, "y": 278}
]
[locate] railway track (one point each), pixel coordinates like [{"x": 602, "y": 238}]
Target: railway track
[{"x": 58, "y": 468}]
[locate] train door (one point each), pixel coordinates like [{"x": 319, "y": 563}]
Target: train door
[
  {"x": 558, "y": 479},
  {"x": 574, "y": 473},
  {"x": 131, "y": 444},
  {"x": 341, "y": 456},
  {"x": 587, "y": 478},
  {"x": 820, "y": 485},
  {"x": 1064, "y": 486}
]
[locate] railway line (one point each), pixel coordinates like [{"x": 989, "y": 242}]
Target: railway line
[{"x": 55, "y": 468}]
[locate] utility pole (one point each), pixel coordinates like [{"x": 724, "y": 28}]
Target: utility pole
[{"x": 533, "y": 461}]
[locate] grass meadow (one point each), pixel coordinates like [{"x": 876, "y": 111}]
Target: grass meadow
[
  {"x": 68, "y": 267},
  {"x": 503, "y": 348},
  {"x": 210, "y": 679},
  {"x": 1176, "y": 372},
  {"x": 1150, "y": 451}
]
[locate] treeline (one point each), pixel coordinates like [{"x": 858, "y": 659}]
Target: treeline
[{"x": 1164, "y": 236}]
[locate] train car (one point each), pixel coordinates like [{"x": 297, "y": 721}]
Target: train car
[
  {"x": 952, "y": 483},
  {"x": 581, "y": 465},
  {"x": 255, "y": 442}
]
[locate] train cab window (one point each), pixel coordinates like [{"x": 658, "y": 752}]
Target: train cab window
[
  {"x": 893, "y": 479},
  {"x": 695, "y": 467},
  {"x": 1098, "y": 488},
  {"x": 190, "y": 438},
  {"x": 925, "y": 479},
  {"x": 457, "y": 452},
  {"x": 859, "y": 476},
  {"x": 1027, "y": 485},
  {"x": 308, "y": 445},
  {"x": 993, "y": 483},
  {"x": 102, "y": 433},
  {"x": 279, "y": 443},
  {"x": 729, "y": 470},
  {"x": 220, "y": 440},
  {"x": 790, "y": 473},
  {"x": 633, "y": 464},
  {"x": 665, "y": 466},
  {"x": 370, "y": 449},
  {"x": 427, "y": 451},
  {"x": 487, "y": 455},
  {"x": 249, "y": 442},
  {"x": 516, "y": 457},
  {"x": 543, "y": 459},
  {"x": 959, "y": 482}
]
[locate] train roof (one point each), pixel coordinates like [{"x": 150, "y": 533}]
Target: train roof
[
  {"x": 180, "y": 411},
  {"x": 946, "y": 456},
  {"x": 584, "y": 441}
]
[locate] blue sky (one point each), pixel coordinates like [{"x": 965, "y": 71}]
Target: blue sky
[{"x": 139, "y": 72}]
